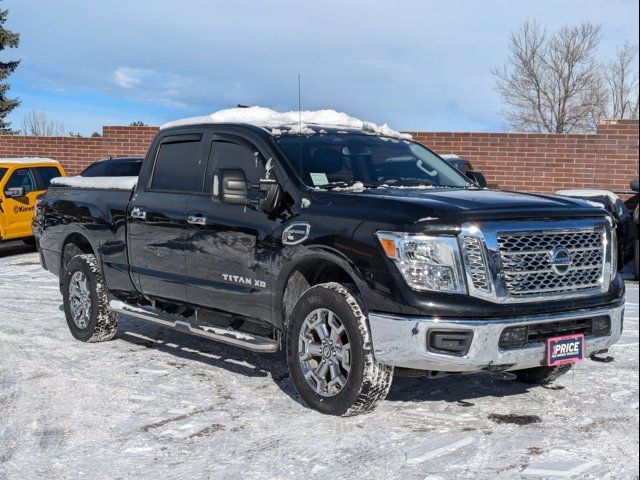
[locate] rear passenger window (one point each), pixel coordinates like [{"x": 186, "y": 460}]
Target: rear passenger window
[
  {"x": 46, "y": 174},
  {"x": 235, "y": 155},
  {"x": 178, "y": 167}
]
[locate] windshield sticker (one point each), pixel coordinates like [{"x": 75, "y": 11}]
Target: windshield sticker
[{"x": 319, "y": 178}]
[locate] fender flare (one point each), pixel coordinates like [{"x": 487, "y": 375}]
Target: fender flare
[{"x": 305, "y": 254}]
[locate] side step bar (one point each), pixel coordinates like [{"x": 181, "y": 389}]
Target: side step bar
[{"x": 230, "y": 337}]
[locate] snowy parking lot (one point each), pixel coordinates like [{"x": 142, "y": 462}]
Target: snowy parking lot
[{"x": 155, "y": 403}]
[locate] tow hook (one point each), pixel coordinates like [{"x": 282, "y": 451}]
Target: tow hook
[
  {"x": 499, "y": 371},
  {"x": 594, "y": 356},
  {"x": 505, "y": 376}
]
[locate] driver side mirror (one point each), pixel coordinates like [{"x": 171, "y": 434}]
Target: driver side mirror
[
  {"x": 234, "y": 190},
  {"x": 477, "y": 178},
  {"x": 14, "y": 192},
  {"x": 634, "y": 185},
  {"x": 234, "y": 187}
]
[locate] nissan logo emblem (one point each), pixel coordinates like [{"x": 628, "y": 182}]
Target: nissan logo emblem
[{"x": 561, "y": 260}]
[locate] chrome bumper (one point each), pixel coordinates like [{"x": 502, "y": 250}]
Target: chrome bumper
[{"x": 402, "y": 341}]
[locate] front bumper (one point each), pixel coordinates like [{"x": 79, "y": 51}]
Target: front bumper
[{"x": 401, "y": 341}]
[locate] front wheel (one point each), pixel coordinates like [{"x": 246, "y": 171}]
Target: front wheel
[
  {"x": 329, "y": 353},
  {"x": 85, "y": 301}
]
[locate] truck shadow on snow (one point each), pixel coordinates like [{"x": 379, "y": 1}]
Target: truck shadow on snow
[
  {"x": 9, "y": 249},
  {"x": 458, "y": 389}
]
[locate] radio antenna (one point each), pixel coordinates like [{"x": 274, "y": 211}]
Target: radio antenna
[{"x": 299, "y": 104}]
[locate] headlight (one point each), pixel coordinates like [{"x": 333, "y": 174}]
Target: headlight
[{"x": 426, "y": 263}]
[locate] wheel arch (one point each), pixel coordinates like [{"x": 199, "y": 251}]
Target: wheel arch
[
  {"x": 81, "y": 241},
  {"x": 313, "y": 268}
]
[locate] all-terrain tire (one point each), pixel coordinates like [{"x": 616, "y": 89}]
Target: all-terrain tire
[
  {"x": 368, "y": 382},
  {"x": 541, "y": 375},
  {"x": 101, "y": 324}
]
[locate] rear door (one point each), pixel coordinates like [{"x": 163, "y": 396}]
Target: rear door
[
  {"x": 229, "y": 252},
  {"x": 18, "y": 211},
  {"x": 157, "y": 215}
]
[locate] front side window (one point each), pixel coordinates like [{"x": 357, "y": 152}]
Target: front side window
[
  {"x": 231, "y": 155},
  {"x": 46, "y": 174},
  {"x": 178, "y": 167},
  {"x": 2, "y": 172},
  {"x": 331, "y": 160},
  {"x": 23, "y": 177}
]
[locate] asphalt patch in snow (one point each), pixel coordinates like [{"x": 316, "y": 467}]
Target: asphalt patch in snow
[{"x": 514, "y": 419}]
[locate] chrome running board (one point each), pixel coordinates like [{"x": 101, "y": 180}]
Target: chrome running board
[{"x": 230, "y": 337}]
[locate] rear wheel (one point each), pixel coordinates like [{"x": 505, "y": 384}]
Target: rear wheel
[
  {"x": 85, "y": 301},
  {"x": 541, "y": 375},
  {"x": 29, "y": 241},
  {"x": 329, "y": 353}
]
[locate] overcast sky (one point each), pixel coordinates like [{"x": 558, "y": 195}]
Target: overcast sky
[{"x": 418, "y": 65}]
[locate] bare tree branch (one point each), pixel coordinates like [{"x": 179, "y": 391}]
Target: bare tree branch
[
  {"x": 42, "y": 125},
  {"x": 621, "y": 76},
  {"x": 552, "y": 83}
]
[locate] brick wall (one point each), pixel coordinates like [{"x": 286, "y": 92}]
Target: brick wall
[
  {"x": 520, "y": 161},
  {"x": 547, "y": 162},
  {"x": 76, "y": 153}
]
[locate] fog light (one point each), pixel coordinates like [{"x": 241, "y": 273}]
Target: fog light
[
  {"x": 449, "y": 342},
  {"x": 514, "y": 337},
  {"x": 600, "y": 326}
]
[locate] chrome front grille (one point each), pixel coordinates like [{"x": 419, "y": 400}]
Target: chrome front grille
[
  {"x": 476, "y": 261},
  {"x": 529, "y": 261}
]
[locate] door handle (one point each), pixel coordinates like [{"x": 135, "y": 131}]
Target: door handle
[
  {"x": 138, "y": 214},
  {"x": 197, "y": 220}
]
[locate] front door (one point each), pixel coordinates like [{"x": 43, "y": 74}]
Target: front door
[
  {"x": 229, "y": 246},
  {"x": 157, "y": 216},
  {"x": 18, "y": 211}
]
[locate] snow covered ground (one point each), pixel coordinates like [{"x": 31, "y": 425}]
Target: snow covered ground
[{"x": 156, "y": 404}]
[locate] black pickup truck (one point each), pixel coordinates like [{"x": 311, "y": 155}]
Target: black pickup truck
[{"x": 356, "y": 251}]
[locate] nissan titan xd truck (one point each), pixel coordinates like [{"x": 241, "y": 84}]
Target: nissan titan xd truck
[{"x": 346, "y": 244}]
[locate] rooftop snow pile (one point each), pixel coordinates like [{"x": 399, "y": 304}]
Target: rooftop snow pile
[
  {"x": 28, "y": 160},
  {"x": 98, "y": 183},
  {"x": 268, "y": 118}
]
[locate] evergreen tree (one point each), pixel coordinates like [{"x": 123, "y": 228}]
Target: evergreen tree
[{"x": 8, "y": 39}]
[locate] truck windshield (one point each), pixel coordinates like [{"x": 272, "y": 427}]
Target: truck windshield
[{"x": 341, "y": 159}]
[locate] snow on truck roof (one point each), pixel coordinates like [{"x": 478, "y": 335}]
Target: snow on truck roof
[
  {"x": 294, "y": 121},
  {"x": 28, "y": 160}
]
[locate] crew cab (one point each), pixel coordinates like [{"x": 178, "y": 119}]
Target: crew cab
[
  {"x": 352, "y": 247},
  {"x": 22, "y": 181}
]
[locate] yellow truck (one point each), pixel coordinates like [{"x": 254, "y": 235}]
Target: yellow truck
[{"x": 22, "y": 181}]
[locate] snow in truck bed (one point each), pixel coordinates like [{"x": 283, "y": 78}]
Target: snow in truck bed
[
  {"x": 98, "y": 183},
  {"x": 294, "y": 121}
]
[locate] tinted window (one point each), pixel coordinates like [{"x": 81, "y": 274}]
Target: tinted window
[
  {"x": 97, "y": 169},
  {"x": 178, "y": 167},
  {"x": 235, "y": 155},
  {"x": 2, "y": 172},
  {"x": 46, "y": 174},
  {"x": 22, "y": 178},
  {"x": 113, "y": 168}
]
